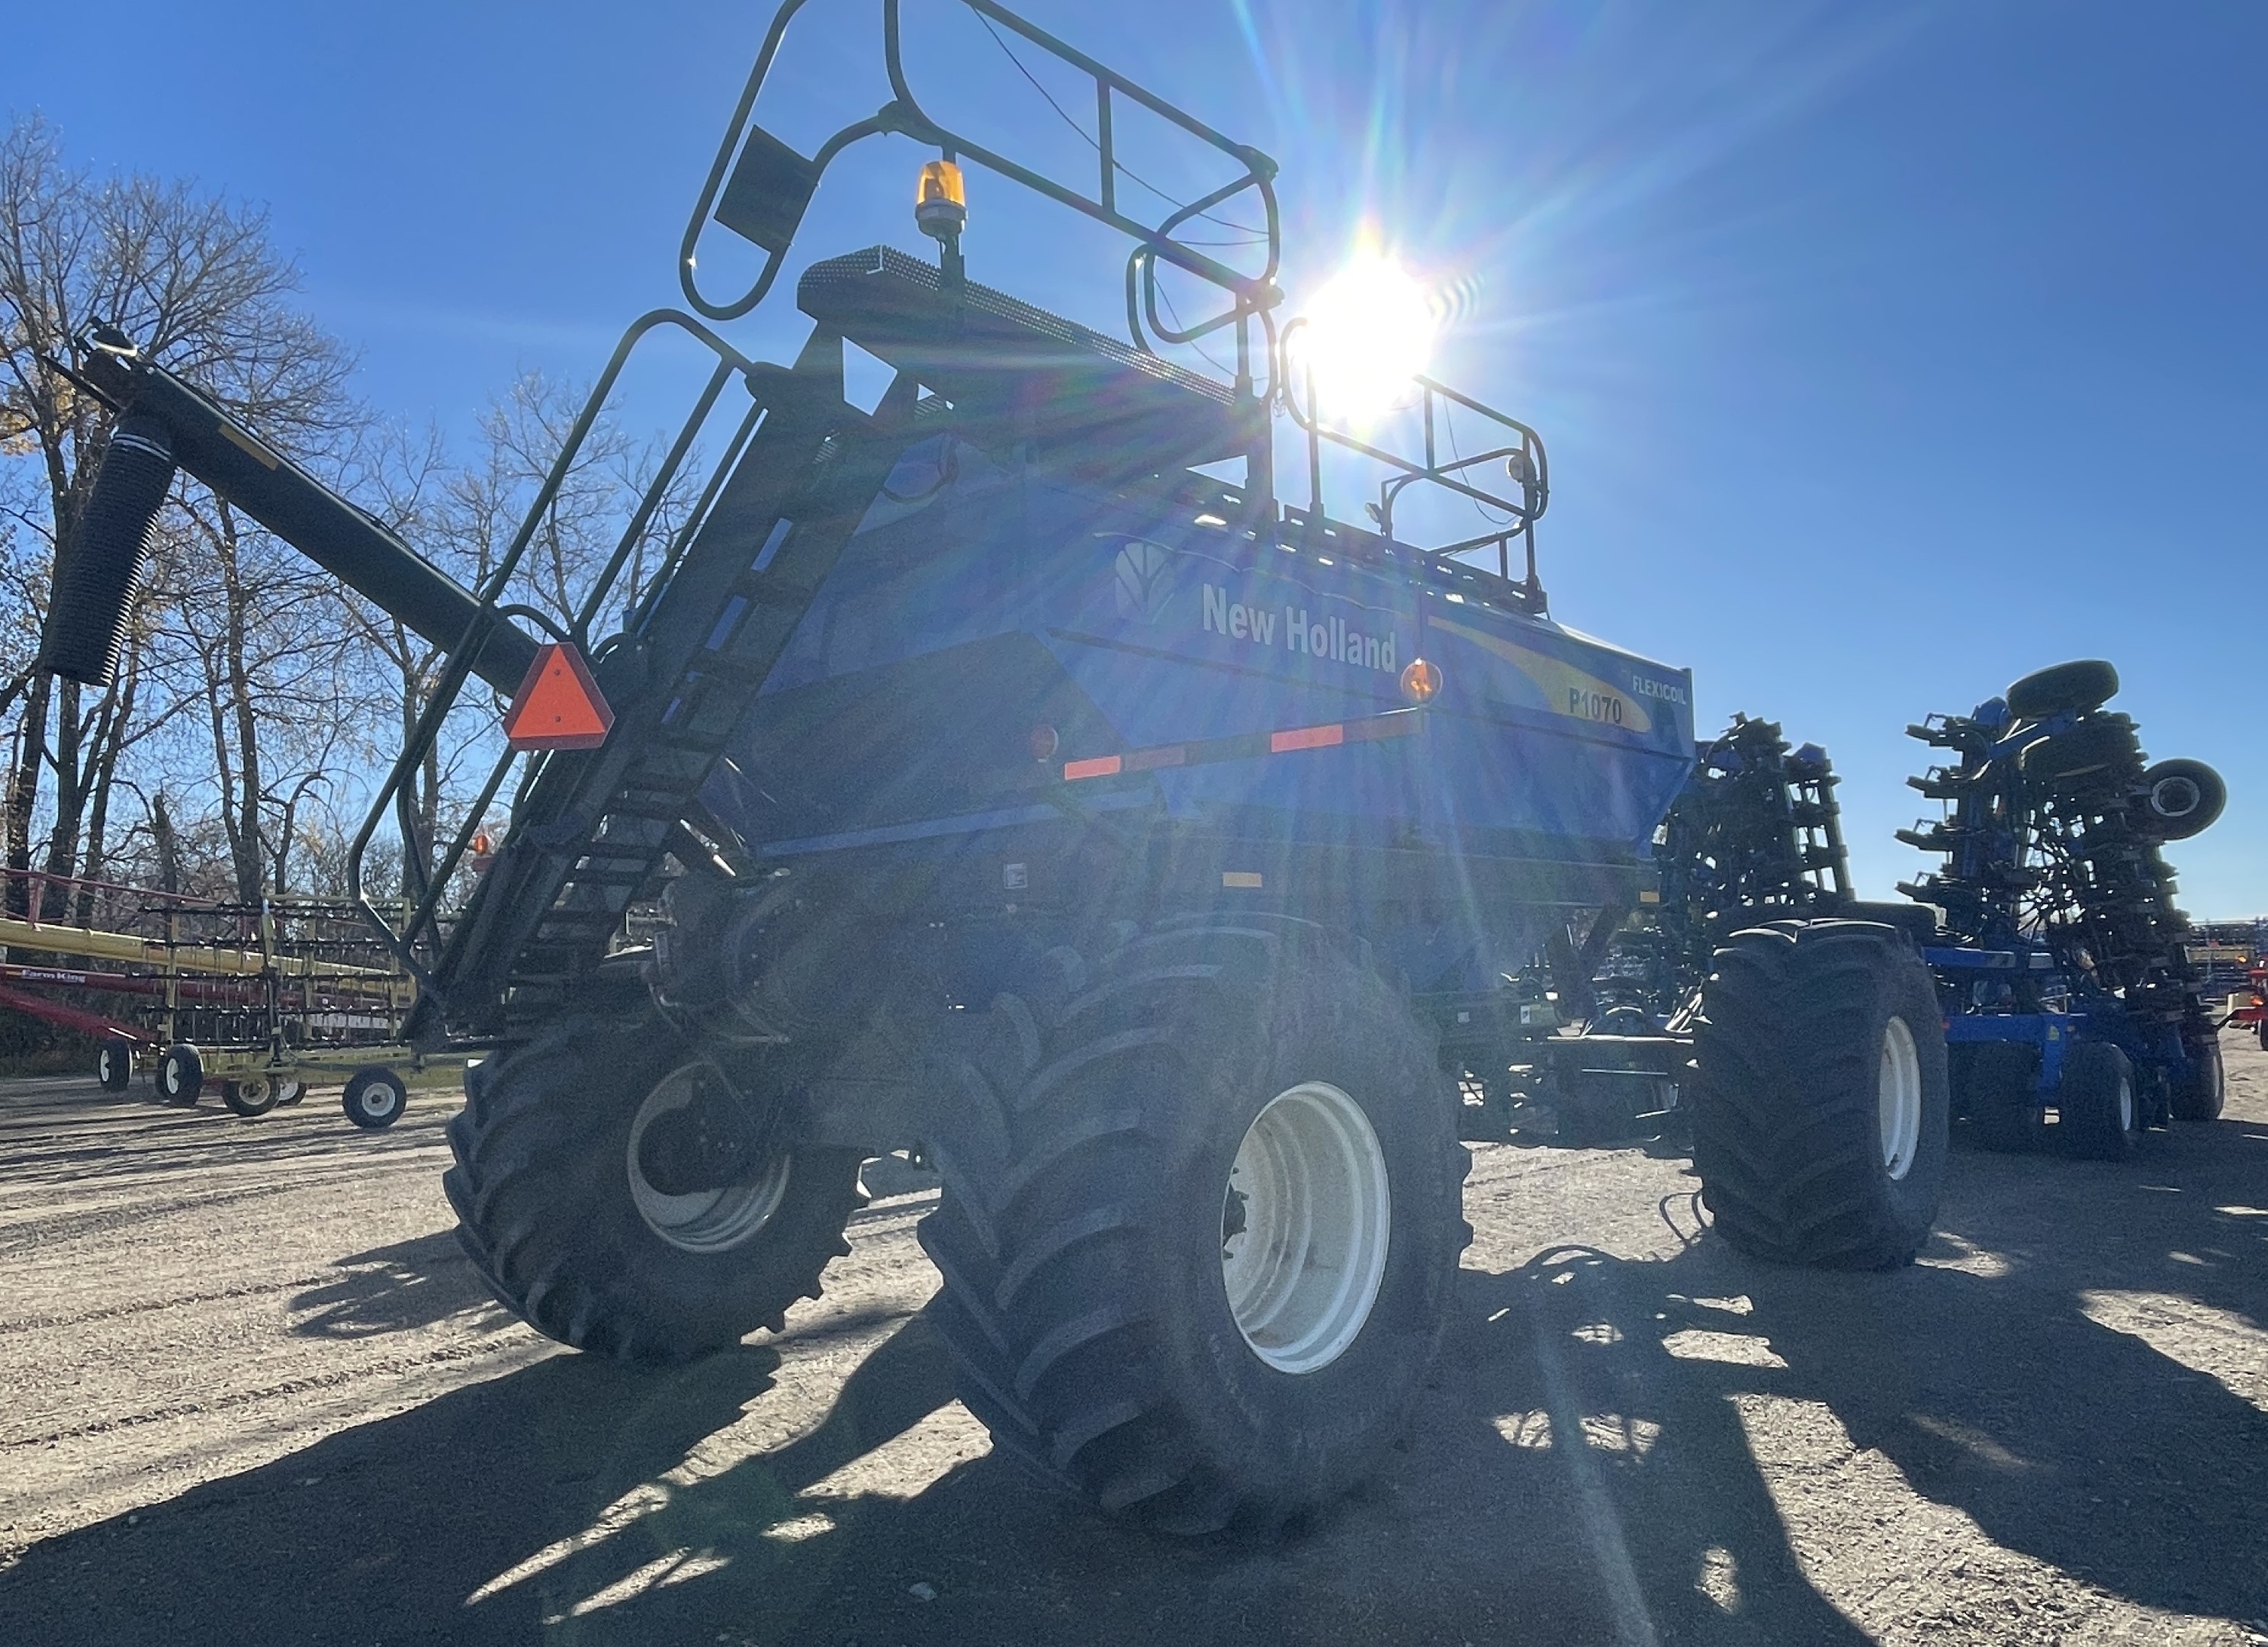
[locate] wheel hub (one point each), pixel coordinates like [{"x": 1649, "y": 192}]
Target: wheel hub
[
  {"x": 1304, "y": 1228},
  {"x": 707, "y": 1143},
  {"x": 700, "y": 1171},
  {"x": 2176, "y": 798},
  {"x": 1897, "y": 1100}
]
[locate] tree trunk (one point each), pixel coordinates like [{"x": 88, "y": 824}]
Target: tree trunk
[
  {"x": 169, "y": 853},
  {"x": 110, "y": 740},
  {"x": 24, "y": 793}
]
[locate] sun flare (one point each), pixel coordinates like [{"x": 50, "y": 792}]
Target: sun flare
[{"x": 1370, "y": 330}]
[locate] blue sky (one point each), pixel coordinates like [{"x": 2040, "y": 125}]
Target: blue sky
[{"x": 1883, "y": 353}]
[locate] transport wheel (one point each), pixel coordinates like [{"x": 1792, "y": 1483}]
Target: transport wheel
[
  {"x": 249, "y": 1095},
  {"x": 612, "y": 1192},
  {"x": 374, "y": 1098},
  {"x": 2099, "y": 1112},
  {"x": 1199, "y": 1241},
  {"x": 1998, "y": 1085},
  {"x": 2087, "y": 684},
  {"x": 180, "y": 1074},
  {"x": 289, "y": 1092},
  {"x": 1820, "y": 1096},
  {"x": 2199, "y": 1091},
  {"x": 2263, "y": 1034},
  {"x": 114, "y": 1064},
  {"x": 2181, "y": 798}
]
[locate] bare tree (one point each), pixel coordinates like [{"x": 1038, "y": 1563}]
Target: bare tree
[
  {"x": 572, "y": 537},
  {"x": 258, "y": 702},
  {"x": 194, "y": 279}
]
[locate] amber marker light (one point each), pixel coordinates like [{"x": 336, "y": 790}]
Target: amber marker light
[
  {"x": 1044, "y": 742},
  {"x": 940, "y": 201},
  {"x": 1421, "y": 682}
]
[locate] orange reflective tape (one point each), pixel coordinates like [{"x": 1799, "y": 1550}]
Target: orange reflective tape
[{"x": 1306, "y": 738}]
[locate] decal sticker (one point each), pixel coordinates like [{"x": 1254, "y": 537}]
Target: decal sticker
[{"x": 1566, "y": 689}]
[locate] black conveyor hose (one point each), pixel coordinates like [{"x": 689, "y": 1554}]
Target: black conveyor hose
[
  {"x": 164, "y": 423},
  {"x": 100, "y": 568}
]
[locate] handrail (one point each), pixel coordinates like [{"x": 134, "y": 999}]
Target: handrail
[
  {"x": 1259, "y": 168},
  {"x": 1524, "y": 459},
  {"x": 905, "y": 116},
  {"x": 421, "y": 914}
]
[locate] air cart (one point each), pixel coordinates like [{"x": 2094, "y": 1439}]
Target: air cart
[{"x": 1004, "y": 769}]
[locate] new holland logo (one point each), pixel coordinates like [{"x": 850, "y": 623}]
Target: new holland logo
[{"x": 1139, "y": 582}]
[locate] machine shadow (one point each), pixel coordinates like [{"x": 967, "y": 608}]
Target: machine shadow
[
  {"x": 2019, "y": 1396},
  {"x": 397, "y": 1288},
  {"x": 382, "y": 1532},
  {"x": 1603, "y": 1457},
  {"x": 550, "y": 1503}
]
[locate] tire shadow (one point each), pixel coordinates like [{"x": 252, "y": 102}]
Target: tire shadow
[
  {"x": 398, "y": 1288},
  {"x": 2077, "y": 1371}
]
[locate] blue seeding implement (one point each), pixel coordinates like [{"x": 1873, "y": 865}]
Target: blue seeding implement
[
  {"x": 2063, "y": 964},
  {"x": 978, "y": 772}
]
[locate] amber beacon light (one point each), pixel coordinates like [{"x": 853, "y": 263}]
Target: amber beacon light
[
  {"x": 1421, "y": 681},
  {"x": 940, "y": 202}
]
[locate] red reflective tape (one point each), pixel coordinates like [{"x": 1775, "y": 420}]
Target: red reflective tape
[
  {"x": 1306, "y": 738},
  {"x": 1099, "y": 767}
]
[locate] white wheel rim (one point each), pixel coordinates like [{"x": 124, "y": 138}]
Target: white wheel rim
[
  {"x": 707, "y": 1220},
  {"x": 1309, "y": 1185},
  {"x": 252, "y": 1089},
  {"x": 1897, "y": 1100},
  {"x": 2125, "y": 1104},
  {"x": 2175, "y": 798},
  {"x": 376, "y": 1099}
]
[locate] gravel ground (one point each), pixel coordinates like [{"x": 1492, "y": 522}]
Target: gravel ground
[{"x": 253, "y": 1394}]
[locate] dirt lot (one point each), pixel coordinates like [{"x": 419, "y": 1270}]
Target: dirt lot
[{"x": 253, "y": 1394}]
